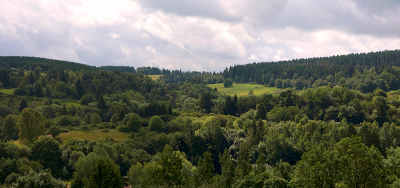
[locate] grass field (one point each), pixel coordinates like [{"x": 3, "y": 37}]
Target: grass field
[
  {"x": 154, "y": 77},
  {"x": 71, "y": 103},
  {"x": 244, "y": 89},
  {"x": 94, "y": 135},
  {"x": 7, "y": 91}
]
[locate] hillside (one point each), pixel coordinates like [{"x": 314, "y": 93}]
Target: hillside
[{"x": 29, "y": 63}]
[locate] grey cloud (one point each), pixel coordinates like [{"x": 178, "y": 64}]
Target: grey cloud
[{"x": 224, "y": 33}]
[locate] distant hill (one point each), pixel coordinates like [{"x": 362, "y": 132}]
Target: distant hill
[
  {"x": 316, "y": 68},
  {"x": 30, "y": 63}
]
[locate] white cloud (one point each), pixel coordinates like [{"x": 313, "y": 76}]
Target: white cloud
[{"x": 114, "y": 36}]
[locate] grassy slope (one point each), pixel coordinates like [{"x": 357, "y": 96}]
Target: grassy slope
[
  {"x": 94, "y": 135},
  {"x": 154, "y": 77},
  {"x": 243, "y": 89}
]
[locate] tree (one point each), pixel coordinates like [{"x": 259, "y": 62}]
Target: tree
[
  {"x": 105, "y": 174},
  {"x": 228, "y": 82},
  {"x": 47, "y": 152},
  {"x": 38, "y": 90},
  {"x": 228, "y": 169},
  {"x": 5, "y": 78},
  {"x": 134, "y": 175},
  {"x": 79, "y": 88},
  {"x": 351, "y": 164},
  {"x": 205, "y": 102},
  {"x": 205, "y": 170},
  {"x": 261, "y": 111},
  {"x": 47, "y": 92},
  {"x": 54, "y": 131},
  {"x": 156, "y": 124},
  {"x": 9, "y": 130},
  {"x": 134, "y": 123},
  {"x": 171, "y": 166},
  {"x": 22, "y": 105},
  {"x": 31, "y": 125},
  {"x": 101, "y": 103},
  {"x": 243, "y": 164},
  {"x": 40, "y": 179},
  {"x": 31, "y": 78}
]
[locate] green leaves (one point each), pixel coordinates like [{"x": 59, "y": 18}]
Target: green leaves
[
  {"x": 31, "y": 125},
  {"x": 351, "y": 164}
]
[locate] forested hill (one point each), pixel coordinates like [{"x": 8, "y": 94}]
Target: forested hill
[
  {"x": 313, "y": 68},
  {"x": 29, "y": 63},
  {"x": 364, "y": 72}
]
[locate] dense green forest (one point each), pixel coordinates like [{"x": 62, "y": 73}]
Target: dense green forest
[
  {"x": 363, "y": 72},
  {"x": 182, "y": 133}
]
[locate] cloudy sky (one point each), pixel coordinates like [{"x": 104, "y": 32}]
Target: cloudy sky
[{"x": 204, "y": 35}]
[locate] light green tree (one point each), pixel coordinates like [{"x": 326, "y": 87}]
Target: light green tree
[
  {"x": 31, "y": 125},
  {"x": 9, "y": 126}
]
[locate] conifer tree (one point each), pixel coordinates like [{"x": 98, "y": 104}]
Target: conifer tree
[{"x": 22, "y": 105}]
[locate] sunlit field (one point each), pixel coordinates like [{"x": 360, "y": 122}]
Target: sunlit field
[{"x": 244, "y": 89}]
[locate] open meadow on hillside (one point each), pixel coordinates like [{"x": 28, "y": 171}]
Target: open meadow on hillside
[
  {"x": 244, "y": 89},
  {"x": 7, "y": 91},
  {"x": 154, "y": 77},
  {"x": 94, "y": 135}
]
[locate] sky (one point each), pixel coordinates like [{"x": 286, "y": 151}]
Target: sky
[{"x": 206, "y": 35}]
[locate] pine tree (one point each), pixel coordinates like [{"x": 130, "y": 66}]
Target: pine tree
[
  {"x": 22, "y": 105},
  {"x": 205, "y": 102},
  {"x": 79, "y": 88},
  {"x": 261, "y": 111},
  {"x": 38, "y": 90},
  {"x": 101, "y": 103},
  {"x": 31, "y": 78}
]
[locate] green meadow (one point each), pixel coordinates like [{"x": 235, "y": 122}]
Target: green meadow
[
  {"x": 244, "y": 89},
  {"x": 7, "y": 91},
  {"x": 94, "y": 135},
  {"x": 154, "y": 77}
]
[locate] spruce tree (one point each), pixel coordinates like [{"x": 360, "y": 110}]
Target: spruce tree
[
  {"x": 79, "y": 88},
  {"x": 22, "y": 105}
]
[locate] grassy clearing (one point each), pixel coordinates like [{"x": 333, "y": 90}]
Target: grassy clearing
[
  {"x": 71, "y": 103},
  {"x": 154, "y": 77},
  {"x": 94, "y": 135},
  {"x": 7, "y": 91},
  {"x": 244, "y": 89}
]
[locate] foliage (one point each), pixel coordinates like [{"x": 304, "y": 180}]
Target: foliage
[
  {"x": 105, "y": 174},
  {"x": 38, "y": 180},
  {"x": 228, "y": 82},
  {"x": 48, "y": 153},
  {"x": 31, "y": 125},
  {"x": 156, "y": 124}
]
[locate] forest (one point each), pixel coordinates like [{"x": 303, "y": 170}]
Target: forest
[{"x": 334, "y": 124}]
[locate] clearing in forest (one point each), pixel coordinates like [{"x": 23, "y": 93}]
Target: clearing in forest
[
  {"x": 7, "y": 91},
  {"x": 154, "y": 77},
  {"x": 244, "y": 89},
  {"x": 94, "y": 135}
]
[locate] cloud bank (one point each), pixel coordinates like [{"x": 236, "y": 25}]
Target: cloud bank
[{"x": 195, "y": 35}]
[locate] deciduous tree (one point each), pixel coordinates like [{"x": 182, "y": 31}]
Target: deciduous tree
[{"x": 31, "y": 125}]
